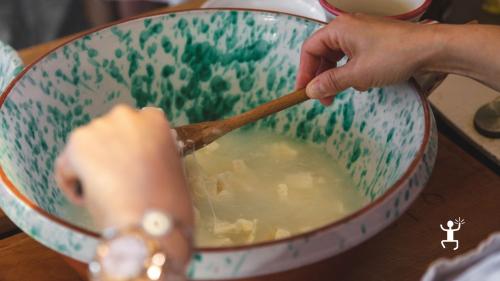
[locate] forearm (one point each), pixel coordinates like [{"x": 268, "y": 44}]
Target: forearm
[{"x": 469, "y": 50}]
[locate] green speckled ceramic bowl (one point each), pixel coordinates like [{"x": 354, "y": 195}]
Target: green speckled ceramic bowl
[
  {"x": 204, "y": 65},
  {"x": 10, "y": 65}
]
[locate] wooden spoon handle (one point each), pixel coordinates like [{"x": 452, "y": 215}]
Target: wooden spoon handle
[{"x": 266, "y": 109}]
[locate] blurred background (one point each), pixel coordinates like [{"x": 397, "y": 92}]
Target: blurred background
[{"x": 24, "y": 23}]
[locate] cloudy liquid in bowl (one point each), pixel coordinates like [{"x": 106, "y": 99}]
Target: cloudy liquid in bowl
[
  {"x": 258, "y": 186},
  {"x": 377, "y": 8}
]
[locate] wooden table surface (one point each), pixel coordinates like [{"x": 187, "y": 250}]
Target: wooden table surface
[{"x": 460, "y": 187}]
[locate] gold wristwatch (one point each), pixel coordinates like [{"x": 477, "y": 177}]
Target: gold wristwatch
[{"x": 135, "y": 253}]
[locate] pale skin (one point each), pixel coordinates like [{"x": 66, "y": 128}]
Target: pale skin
[
  {"x": 128, "y": 161},
  {"x": 383, "y": 51}
]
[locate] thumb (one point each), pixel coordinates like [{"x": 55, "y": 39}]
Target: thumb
[{"x": 330, "y": 82}]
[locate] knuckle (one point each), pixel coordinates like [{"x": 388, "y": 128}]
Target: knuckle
[
  {"x": 308, "y": 43},
  {"x": 361, "y": 88},
  {"x": 346, "y": 17},
  {"x": 332, "y": 81},
  {"x": 362, "y": 85}
]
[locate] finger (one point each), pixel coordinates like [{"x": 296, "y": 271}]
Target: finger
[
  {"x": 118, "y": 114},
  {"x": 67, "y": 179},
  {"x": 326, "y": 101},
  {"x": 330, "y": 82},
  {"x": 154, "y": 114},
  {"x": 321, "y": 45},
  {"x": 326, "y": 65}
]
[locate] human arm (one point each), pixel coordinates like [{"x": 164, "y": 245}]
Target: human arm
[
  {"x": 383, "y": 51},
  {"x": 128, "y": 163}
]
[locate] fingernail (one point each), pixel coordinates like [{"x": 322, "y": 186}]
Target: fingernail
[
  {"x": 315, "y": 90},
  {"x": 153, "y": 107}
]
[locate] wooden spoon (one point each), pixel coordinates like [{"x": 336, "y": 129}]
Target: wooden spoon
[{"x": 196, "y": 136}]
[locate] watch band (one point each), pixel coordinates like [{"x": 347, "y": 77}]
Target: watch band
[{"x": 136, "y": 253}]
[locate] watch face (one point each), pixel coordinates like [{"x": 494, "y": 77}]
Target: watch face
[
  {"x": 157, "y": 223},
  {"x": 124, "y": 257}
]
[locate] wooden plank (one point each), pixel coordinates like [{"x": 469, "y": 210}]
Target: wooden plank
[
  {"x": 7, "y": 227},
  {"x": 460, "y": 186},
  {"x": 23, "y": 259}
]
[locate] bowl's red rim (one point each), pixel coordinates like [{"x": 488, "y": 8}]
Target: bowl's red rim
[
  {"x": 405, "y": 16},
  {"x": 390, "y": 191}
]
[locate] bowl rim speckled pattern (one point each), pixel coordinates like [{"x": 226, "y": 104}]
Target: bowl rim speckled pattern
[
  {"x": 355, "y": 215},
  {"x": 404, "y": 16},
  {"x": 10, "y": 56}
]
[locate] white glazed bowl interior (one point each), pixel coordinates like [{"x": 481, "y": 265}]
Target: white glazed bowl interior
[
  {"x": 306, "y": 8},
  {"x": 407, "y": 10}
]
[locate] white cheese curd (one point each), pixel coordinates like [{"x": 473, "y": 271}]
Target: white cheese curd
[{"x": 256, "y": 186}]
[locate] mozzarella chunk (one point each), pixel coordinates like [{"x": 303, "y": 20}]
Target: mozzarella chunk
[
  {"x": 282, "y": 191},
  {"x": 197, "y": 215},
  {"x": 300, "y": 180},
  {"x": 243, "y": 228},
  {"x": 223, "y": 242},
  {"x": 283, "y": 151},
  {"x": 210, "y": 148},
  {"x": 239, "y": 166},
  {"x": 281, "y": 233}
]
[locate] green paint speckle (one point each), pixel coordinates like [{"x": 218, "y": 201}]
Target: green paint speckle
[
  {"x": 271, "y": 78},
  {"x": 219, "y": 85},
  {"x": 141, "y": 88},
  {"x": 390, "y": 135},
  {"x": 78, "y": 110},
  {"x": 348, "y": 115},
  {"x": 182, "y": 24},
  {"x": 150, "y": 32},
  {"x": 197, "y": 257},
  {"x": 118, "y": 53},
  {"x": 152, "y": 50},
  {"x": 92, "y": 53},
  {"x": 183, "y": 74},
  {"x": 115, "y": 73},
  {"x": 355, "y": 154},
  {"x": 388, "y": 158},
  {"x": 330, "y": 125},
  {"x": 133, "y": 57},
  {"x": 246, "y": 83},
  {"x": 166, "y": 44},
  {"x": 167, "y": 71}
]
